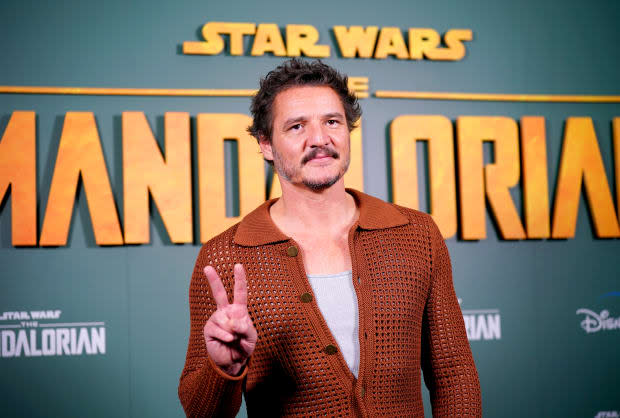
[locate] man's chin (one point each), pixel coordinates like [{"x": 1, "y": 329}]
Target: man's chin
[{"x": 321, "y": 184}]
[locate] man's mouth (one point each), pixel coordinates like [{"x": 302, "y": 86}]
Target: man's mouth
[{"x": 319, "y": 154}]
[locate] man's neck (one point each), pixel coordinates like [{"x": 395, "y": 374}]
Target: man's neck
[{"x": 301, "y": 209}]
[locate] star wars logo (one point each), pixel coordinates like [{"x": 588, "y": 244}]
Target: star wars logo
[{"x": 32, "y": 334}]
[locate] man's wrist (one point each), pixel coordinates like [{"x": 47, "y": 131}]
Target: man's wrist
[{"x": 235, "y": 370}]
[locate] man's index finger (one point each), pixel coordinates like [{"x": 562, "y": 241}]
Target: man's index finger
[
  {"x": 217, "y": 288},
  {"x": 241, "y": 286}
]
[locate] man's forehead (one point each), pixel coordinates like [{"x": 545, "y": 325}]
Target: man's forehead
[{"x": 298, "y": 98}]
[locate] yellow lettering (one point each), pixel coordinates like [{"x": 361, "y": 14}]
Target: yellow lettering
[
  {"x": 359, "y": 86},
  {"x": 498, "y": 177},
  {"x": 275, "y": 190},
  {"x": 353, "y": 41},
  {"x": 354, "y": 177},
  {"x": 581, "y": 160},
  {"x": 405, "y": 131},
  {"x": 391, "y": 42},
  {"x": 80, "y": 154},
  {"x": 169, "y": 180},
  {"x": 616, "y": 129},
  {"x": 214, "y": 44},
  {"x": 455, "y": 50},
  {"x": 535, "y": 182},
  {"x": 356, "y": 41},
  {"x": 302, "y": 39},
  {"x": 18, "y": 169},
  {"x": 268, "y": 39},
  {"x": 213, "y": 129},
  {"x": 422, "y": 42},
  {"x": 236, "y": 32}
]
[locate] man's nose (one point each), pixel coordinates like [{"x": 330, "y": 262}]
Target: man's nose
[{"x": 317, "y": 135}]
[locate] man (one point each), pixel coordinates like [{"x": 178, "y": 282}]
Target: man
[{"x": 338, "y": 298}]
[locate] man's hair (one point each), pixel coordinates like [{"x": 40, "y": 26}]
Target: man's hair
[{"x": 298, "y": 73}]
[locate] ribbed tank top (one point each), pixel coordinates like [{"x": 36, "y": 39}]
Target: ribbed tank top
[{"x": 337, "y": 301}]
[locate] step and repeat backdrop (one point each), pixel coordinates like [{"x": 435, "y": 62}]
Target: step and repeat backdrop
[{"x": 123, "y": 147}]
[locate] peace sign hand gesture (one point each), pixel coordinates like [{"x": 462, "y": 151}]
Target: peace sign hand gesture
[{"x": 229, "y": 334}]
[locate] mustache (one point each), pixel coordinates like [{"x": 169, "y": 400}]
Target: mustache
[{"x": 320, "y": 150}]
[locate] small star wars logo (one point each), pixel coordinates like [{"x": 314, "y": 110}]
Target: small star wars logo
[
  {"x": 607, "y": 414},
  {"x": 593, "y": 322},
  {"x": 32, "y": 334},
  {"x": 482, "y": 324}
]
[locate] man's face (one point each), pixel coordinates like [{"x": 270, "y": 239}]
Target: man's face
[{"x": 310, "y": 139}]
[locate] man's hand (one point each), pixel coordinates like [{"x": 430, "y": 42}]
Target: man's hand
[{"x": 229, "y": 333}]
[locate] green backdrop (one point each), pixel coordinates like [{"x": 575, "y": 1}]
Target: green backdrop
[{"x": 543, "y": 363}]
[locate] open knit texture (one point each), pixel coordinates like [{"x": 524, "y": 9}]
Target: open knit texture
[{"x": 409, "y": 319}]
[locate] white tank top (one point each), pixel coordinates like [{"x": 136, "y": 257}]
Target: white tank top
[{"x": 337, "y": 301}]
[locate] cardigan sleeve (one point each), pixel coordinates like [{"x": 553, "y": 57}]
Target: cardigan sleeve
[
  {"x": 204, "y": 389},
  {"x": 447, "y": 362}
]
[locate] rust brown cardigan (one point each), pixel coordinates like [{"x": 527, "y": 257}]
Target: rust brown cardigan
[{"x": 409, "y": 319}]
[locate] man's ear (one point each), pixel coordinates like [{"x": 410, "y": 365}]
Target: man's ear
[{"x": 265, "y": 147}]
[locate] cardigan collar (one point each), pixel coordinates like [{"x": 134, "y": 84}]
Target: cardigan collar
[{"x": 257, "y": 228}]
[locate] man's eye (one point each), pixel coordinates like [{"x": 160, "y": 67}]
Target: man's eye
[
  {"x": 295, "y": 127},
  {"x": 332, "y": 122}
]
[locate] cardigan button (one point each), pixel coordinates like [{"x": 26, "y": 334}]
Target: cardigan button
[
  {"x": 363, "y": 391},
  {"x": 330, "y": 349},
  {"x": 292, "y": 251},
  {"x": 306, "y": 297}
]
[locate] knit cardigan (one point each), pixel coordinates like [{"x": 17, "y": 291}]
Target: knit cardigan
[{"x": 409, "y": 320}]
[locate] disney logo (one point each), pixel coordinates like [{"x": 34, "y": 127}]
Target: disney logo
[
  {"x": 594, "y": 322},
  {"x": 607, "y": 414}
]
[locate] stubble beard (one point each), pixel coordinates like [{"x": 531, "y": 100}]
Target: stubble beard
[{"x": 287, "y": 172}]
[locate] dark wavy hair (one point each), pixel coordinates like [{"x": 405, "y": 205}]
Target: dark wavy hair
[{"x": 294, "y": 73}]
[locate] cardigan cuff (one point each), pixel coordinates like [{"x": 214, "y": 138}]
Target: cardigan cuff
[{"x": 217, "y": 390}]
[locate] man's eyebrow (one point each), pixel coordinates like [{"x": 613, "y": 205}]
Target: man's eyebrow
[
  {"x": 294, "y": 120},
  {"x": 333, "y": 115},
  {"x": 297, "y": 119}
]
